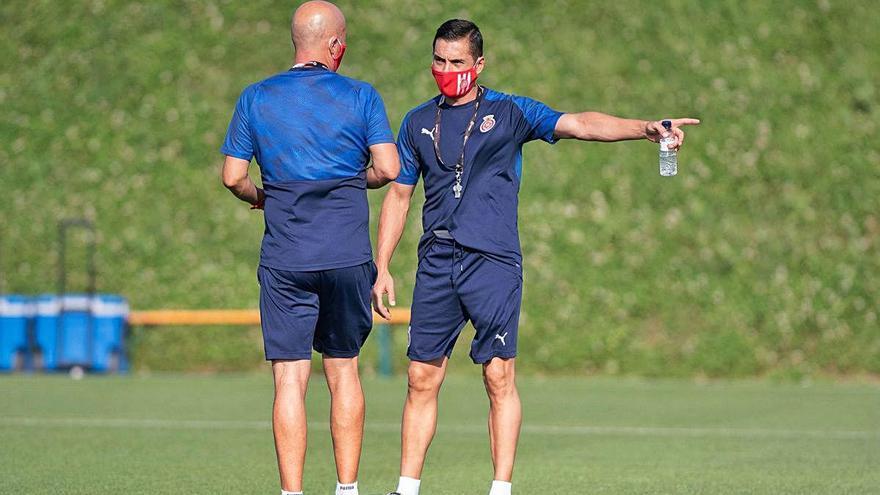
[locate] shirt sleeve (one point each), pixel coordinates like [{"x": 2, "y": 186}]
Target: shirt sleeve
[
  {"x": 409, "y": 163},
  {"x": 378, "y": 128},
  {"x": 538, "y": 121},
  {"x": 239, "y": 142}
]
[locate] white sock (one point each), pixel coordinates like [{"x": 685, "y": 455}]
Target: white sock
[
  {"x": 408, "y": 486},
  {"x": 347, "y": 488},
  {"x": 500, "y": 488},
  {"x": 285, "y": 492}
]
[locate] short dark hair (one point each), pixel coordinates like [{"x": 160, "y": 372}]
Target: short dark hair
[{"x": 456, "y": 29}]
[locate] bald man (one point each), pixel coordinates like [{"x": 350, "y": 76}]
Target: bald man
[{"x": 313, "y": 133}]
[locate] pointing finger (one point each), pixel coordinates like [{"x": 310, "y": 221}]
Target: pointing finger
[{"x": 685, "y": 121}]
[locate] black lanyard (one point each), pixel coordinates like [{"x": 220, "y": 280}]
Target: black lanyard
[
  {"x": 314, "y": 64},
  {"x": 459, "y": 165}
]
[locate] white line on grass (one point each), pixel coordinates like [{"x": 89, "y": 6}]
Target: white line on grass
[{"x": 537, "y": 429}]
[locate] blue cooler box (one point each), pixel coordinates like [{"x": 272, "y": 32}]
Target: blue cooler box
[
  {"x": 15, "y": 313},
  {"x": 47, "y": 308},
  {"x": 109, "y": 314},
  {"x": 76, "y": 331},
  {"x": 81, "y": 330}
]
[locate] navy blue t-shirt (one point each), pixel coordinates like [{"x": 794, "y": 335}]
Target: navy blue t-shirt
[
  {"x": 309, "y": 130},
  {"x": 485, "y": 217}
]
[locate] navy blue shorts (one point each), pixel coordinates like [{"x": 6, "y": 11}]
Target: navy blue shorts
[
  {"x": 455, "y": 284},
  {"x": 328, "y": 311}
]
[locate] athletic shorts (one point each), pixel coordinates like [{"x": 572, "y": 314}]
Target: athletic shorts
[
  {"x": 455, "y": 284},
  {"x": 328, "y": 311}
]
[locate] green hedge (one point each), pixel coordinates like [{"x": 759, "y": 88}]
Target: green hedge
[{"x": 761, "y": 257}]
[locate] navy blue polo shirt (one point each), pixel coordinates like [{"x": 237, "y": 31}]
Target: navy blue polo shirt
[
  {"x": 485, "y": 217},
  {"x": 309, "y": 130}
]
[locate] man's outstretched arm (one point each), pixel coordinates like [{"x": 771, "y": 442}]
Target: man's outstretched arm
[
  {"x": 596, "y": 126},
  {"x": 392, "y": 220},
  {"x": 237, "y": 180}
]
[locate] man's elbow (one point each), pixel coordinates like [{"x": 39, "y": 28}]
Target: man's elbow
[
  {"x": 387, "y": 172},
  {"x": 229, "y": 182},
  {"x": 232, "y": 182}
]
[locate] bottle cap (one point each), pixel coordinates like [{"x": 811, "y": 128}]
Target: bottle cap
[{"x": 667, "y": 124}]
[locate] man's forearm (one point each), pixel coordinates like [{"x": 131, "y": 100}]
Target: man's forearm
[
  {"x": 596, "y": 126},
  {"x": 392, "y": 220},
  {"x": 247, "y": 191}
]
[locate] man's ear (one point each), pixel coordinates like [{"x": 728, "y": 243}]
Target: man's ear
[
  {"x": 335, "y": 44},
  {"x": 481, "y": 62}
]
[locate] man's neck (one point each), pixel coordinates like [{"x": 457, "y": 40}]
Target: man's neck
[
  {"x": 306, "y": 57},
  {"x": 467, "y": 98}
]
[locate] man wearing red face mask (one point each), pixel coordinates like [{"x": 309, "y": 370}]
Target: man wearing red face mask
[
  {"x": 467, "y": 145},
  {"x": 313, "y": 132}
]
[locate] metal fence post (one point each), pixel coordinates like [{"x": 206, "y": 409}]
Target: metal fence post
[{"x": 386, "y": 368}]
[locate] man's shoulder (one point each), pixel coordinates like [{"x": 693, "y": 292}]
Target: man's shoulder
[
  {"x": 362, "y": 88},
  {"x": 525, "y": 106},
  {"x": 287, "y": 79},
  {"x": 355, "y": 84},
  {"x": 274, "y": 79},
  {"x": 424, "y": 111},
  {"x": 291, "y": 77},
  {"x": 501, "y": 97},
  {"x": 251, "y": 90},
  {"x": 495, "y": 95}
]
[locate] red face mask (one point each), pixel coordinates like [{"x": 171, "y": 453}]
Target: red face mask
[
  {"x": 338, "y": 58},
  {"x": 455, "y": 84}
]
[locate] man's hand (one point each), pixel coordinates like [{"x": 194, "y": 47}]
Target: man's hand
[
  {"x": 261, "y": 200},
  {"x": 384, "y": 285},
  {"x": 654, "y": 130}
]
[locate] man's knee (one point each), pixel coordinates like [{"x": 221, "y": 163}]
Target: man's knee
[
  {"x": 499, "y": 377},
  {"x": 291, "y": 374},
  {"x": 341, "y": 372},
  {"x": 425, "y": 377}
]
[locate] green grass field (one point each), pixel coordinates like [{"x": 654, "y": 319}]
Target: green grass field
[
  {"x": 760, "y": 258},
  {"x": 175, "y": 434}
]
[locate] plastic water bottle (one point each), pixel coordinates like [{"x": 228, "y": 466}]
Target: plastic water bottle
[{"x": 668, "y": 156}]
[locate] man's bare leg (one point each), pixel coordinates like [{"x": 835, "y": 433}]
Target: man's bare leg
[
  {"x": 346, "y": 415},
  {"x": 505, "y": 415},
  {"x": 420, "y": 414},
  {"x": 289, "y": 420}
]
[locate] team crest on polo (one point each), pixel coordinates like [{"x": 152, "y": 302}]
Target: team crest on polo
[{"x": 488, "y": 123}]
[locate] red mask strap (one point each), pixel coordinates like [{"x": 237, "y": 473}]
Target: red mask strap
[{"x": 338, "y": 58}]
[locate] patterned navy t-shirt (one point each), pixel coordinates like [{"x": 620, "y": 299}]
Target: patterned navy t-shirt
[
  {"x": 309, "y": 130},
  {"x": 485, "y": 217}
]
